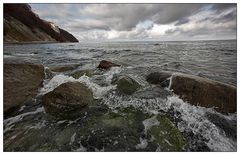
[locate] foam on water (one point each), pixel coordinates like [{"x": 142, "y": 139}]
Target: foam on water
[
  {"x": 97, "y": 90},
  {"x": 9, "y": 123},
  {"x": 149, "y": 123},
  {"x": 193, "y": 117},
  {"x": 143, "y": 144},
  {"x": 109, "y": 74}
]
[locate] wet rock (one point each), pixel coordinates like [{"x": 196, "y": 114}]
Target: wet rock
[
  {"x": 78, "y": 74},
  {"x": 126, "y": 85},
  {"x": 67, "y": 100},
  {"x": 104, "y": 64},
  {"x": 152, "y": 93},
  {"x": 228, "y": 126},
  {"x": 64, "y": 68},
  {"x": 21, "y": 83},
  {"x": 114, "y": 131},
  {"x": 158, "y": 77},
  {"x": 167, "y": 135},
  {"x": 205, "y": 92}
]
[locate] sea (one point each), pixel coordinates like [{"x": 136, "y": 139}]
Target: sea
[{"x": 30, "y": 128}]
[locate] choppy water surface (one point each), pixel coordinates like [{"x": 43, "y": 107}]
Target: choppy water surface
[{"x": 204, "y": 129}]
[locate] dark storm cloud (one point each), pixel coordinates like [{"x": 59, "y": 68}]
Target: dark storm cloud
[
  {"x": 127, "y": 16},
  {"x": 141, "y": 20}
]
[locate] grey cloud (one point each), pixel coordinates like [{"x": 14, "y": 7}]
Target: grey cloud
[
  {"x": 124, "y": 18},
  {"x": 182, "y": 21},
  {"x": 223, "y": 6},
  {"x": 207, "y": 30},
  {"x": 176, "y": 12},
  {"x": 85, "y": 25},
  {"x": 223, "y": 18}
]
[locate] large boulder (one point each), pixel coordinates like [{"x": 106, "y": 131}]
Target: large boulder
[
  {"x": 67, "y": 100},
  {"x": 21, "y": 83},
  {"x": 126, "y": 85},
  {"x": 198, "y": 91},
  {"x": 104, "y": 64},
  {"x": 205, "y": 92}
]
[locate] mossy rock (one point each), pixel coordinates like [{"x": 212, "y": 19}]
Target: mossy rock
[
  {"x": 167, "y": 135},
  {"x": 113, "y": 131},
  {"x": 126, "y": 85},
  {"x": 80, "y": 73}
]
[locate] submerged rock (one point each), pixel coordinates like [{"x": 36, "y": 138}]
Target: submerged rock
[
  {"x": 126, "y": 85},
  {"x": 167, "y": 135},
  {"x": 205, "y": 92},
  {"x": 107, "y": 65},
  {"x": 67, "y": 100},
  {"x": 78, "y": 74},
  {"x": 21, "y": 83}
]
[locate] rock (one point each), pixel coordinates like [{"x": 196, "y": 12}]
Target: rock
[
  {"x": 126, "y": 85},
  {"x": 198, "y": 91},
  {"x": 78, "y": 74},
  {"x": 64, "y": 68},
  {"x": 21, "y": 83},
  {"x": 107, "y": 65},
  {"x": 114, "y": 131},
  {"x": 167, "y": 135},
  {"x": 152, "y": 93},
  {"x": 158, "y": 77},
  {"x": 205, "y": 92},
  {"x": 67, "y": 100}
]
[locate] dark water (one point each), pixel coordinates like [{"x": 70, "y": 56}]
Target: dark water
[{"x": 203, "y": 128}]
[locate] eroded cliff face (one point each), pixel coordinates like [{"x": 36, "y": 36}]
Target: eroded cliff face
[{"x": 21, "y": 24}]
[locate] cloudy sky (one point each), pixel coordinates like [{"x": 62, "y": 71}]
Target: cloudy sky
[{"x": 164, "y": 22}]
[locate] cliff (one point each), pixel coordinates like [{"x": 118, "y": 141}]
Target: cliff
[{"x": 21, "y": 24}]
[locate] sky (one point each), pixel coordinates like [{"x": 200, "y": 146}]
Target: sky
[{"x": 138, "y": 22}]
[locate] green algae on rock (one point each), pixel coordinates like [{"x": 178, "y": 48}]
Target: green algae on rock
[
  {"x": 167, "y": 135},
  {"x": 126, "y": 85}
]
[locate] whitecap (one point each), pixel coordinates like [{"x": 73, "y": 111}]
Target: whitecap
[{"x": 57, "y": 80}]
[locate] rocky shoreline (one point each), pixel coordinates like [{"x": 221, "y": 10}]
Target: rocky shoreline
[{"x": 74, "y": 100}]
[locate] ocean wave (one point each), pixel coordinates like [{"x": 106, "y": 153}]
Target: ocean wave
[{"x": 193, "y": 117}]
